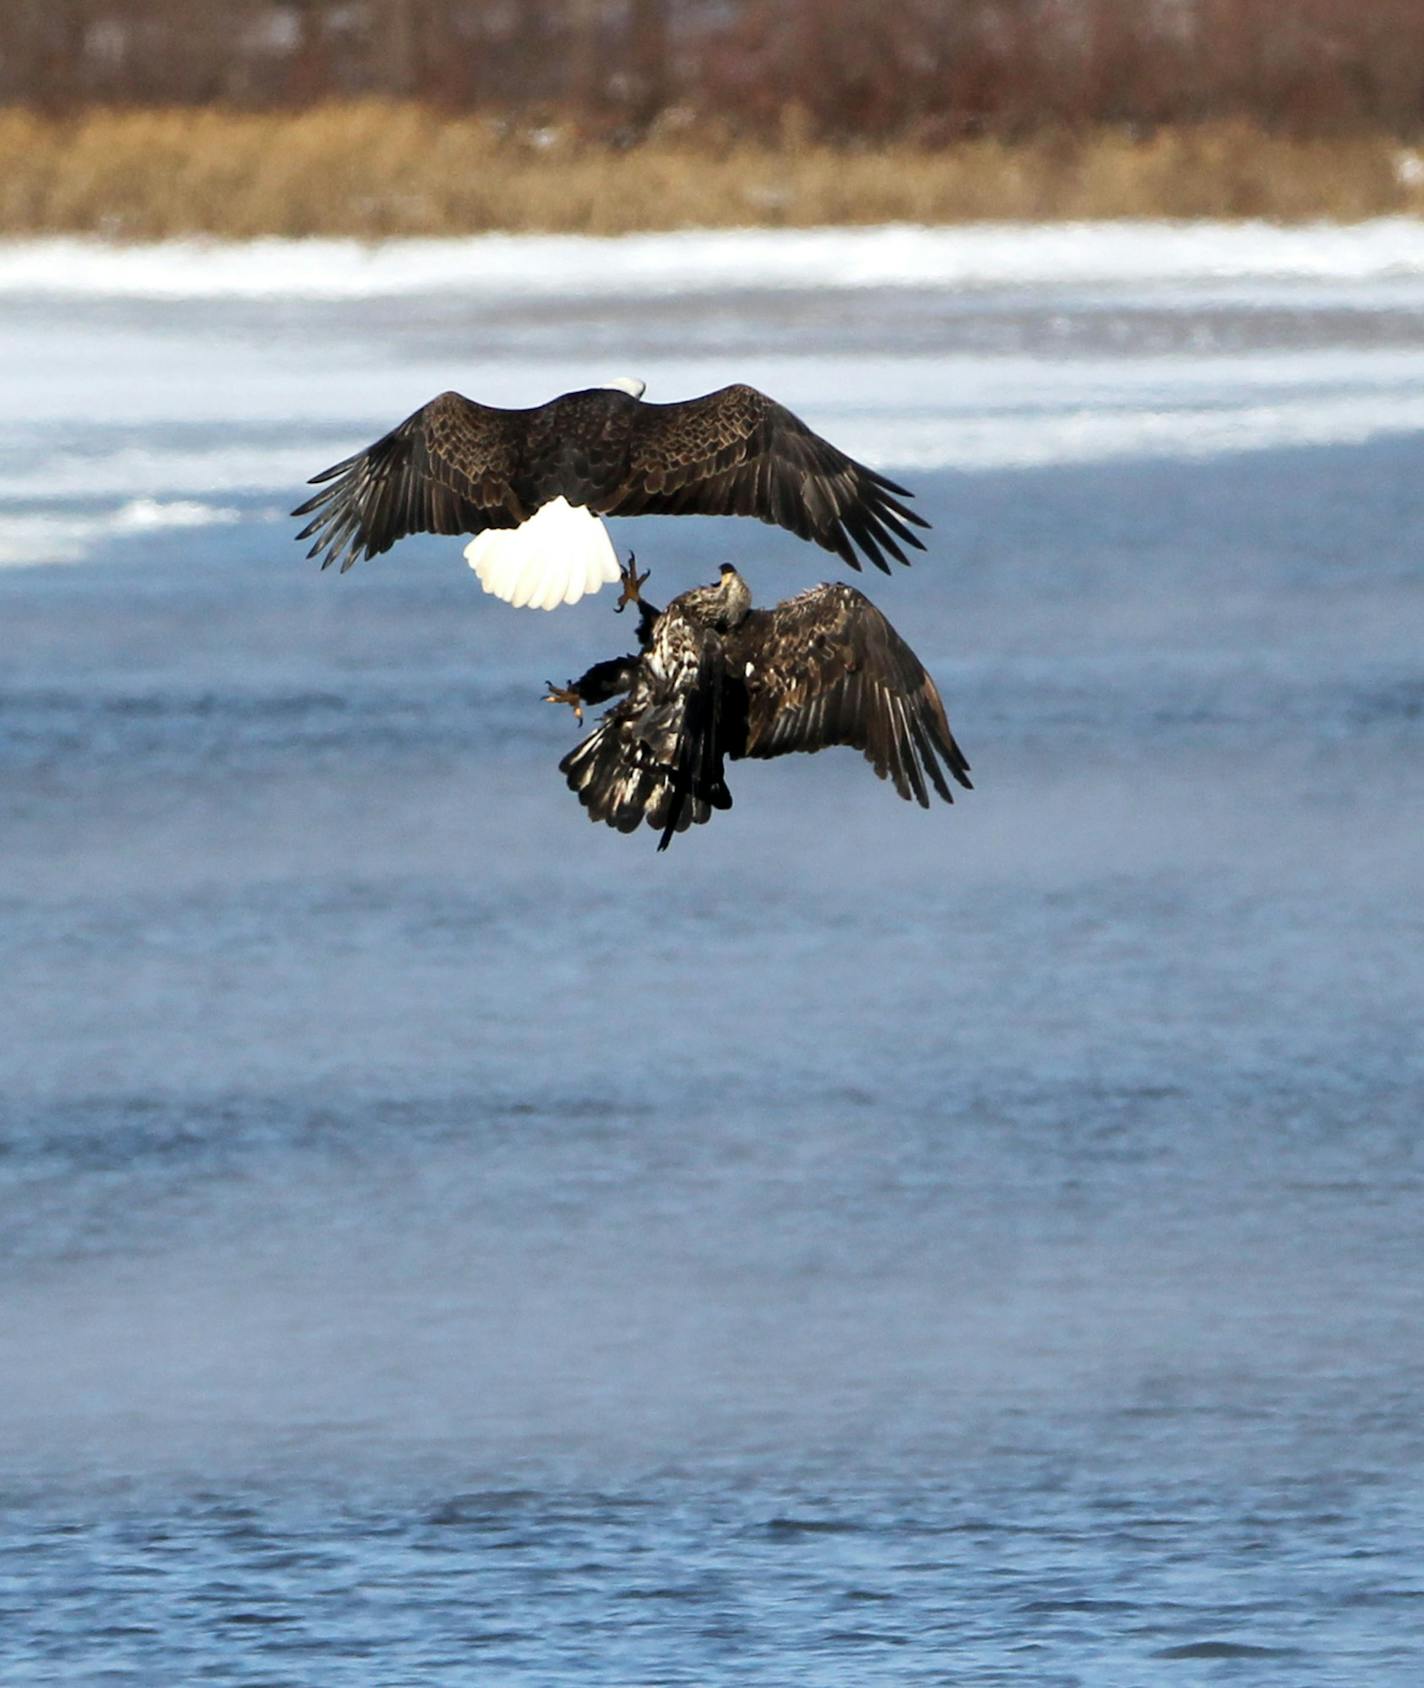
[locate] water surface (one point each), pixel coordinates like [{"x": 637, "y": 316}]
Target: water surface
[{"x": 441, "y": 1241}]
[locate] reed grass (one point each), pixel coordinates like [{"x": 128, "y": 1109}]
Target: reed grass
[{"x": 379, "y": 169}]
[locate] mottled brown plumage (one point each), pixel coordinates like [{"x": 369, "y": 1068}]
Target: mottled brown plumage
[
  {"x": 717, "y": 679},
  {"x": 657, "y": 755},
  {"x": 826, "y": 668},
  {"x": 455, "y": 466}
]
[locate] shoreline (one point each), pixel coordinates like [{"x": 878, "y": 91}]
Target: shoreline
[
  {"x": 531, "y": 271},
  {"x": 376, "y": 171}
]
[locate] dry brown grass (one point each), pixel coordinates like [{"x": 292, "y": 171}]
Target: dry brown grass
[{"x": 380, "y": 169}]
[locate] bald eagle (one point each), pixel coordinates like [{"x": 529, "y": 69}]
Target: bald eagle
[
  {"x": 531, "y": 484},
  {"x": 716, "y": 679}
]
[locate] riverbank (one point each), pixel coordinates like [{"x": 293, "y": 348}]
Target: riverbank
[{"x": 377, "y": 170}]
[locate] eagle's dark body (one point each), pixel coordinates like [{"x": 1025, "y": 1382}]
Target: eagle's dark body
[
  {"x": 716, "y": 679},
  {"x": 455, "y": 466}
]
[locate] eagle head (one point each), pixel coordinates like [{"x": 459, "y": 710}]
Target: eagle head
[{"x": 735, "y": 594}]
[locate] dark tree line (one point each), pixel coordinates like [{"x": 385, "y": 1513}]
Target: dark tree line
[{"x": 842, "y": 69}]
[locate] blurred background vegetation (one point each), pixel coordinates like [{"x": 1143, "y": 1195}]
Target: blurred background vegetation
[{"x": 151, "y": 117}]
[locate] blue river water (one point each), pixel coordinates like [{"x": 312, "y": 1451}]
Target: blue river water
[{"x": 442, "y": 1241}]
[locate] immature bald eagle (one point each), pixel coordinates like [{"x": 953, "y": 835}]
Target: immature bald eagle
[
  {"x": 717, "y": 679},
  {"x": 532, "y": 483}
]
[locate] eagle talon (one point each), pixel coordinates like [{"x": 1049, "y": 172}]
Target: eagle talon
[
  {"x": 632, "y": 584},
  {"x": 566, "y": 694}
]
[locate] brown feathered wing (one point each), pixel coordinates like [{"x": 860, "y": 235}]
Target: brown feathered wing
[
  {"x": 446, "y": 469},
  {"x": 827, "y": 668},
  {"x": 736, "y": 452}
]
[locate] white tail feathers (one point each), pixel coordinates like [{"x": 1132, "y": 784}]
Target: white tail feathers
[{"x": 558, "y": 556}]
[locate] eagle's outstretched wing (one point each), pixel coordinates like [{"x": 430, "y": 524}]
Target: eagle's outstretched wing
[
  {"x": 827, "y": 668},
  {"x": 446, "y": 469},
  {"x": 736, "y": 452}
]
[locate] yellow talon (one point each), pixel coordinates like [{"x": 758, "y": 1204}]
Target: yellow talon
[
  {"x": 632, "y": 584},
  {"x": 565, "y": 694}
]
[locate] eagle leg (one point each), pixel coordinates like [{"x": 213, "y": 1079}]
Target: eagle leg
[
  {"x": 632, "y": 584},
  {"x": 569, "y": 694}
]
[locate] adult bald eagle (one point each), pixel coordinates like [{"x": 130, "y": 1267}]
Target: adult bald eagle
[
  {"x": 716, "y": 679},
  {"x": 532, "y": 483}
]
